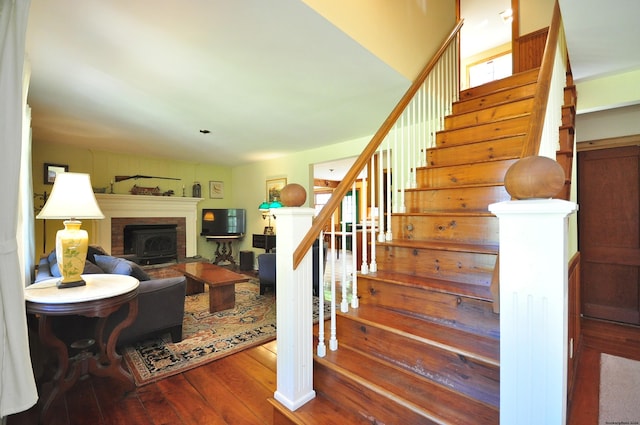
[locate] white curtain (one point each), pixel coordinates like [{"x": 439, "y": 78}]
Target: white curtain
[{"x": 17, "y": 383}]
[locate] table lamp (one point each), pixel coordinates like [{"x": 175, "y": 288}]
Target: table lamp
[{"x": 71, "y": 199}]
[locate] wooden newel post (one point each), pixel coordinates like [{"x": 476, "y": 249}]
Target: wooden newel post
[
  {"x": 533, "y": 303},
  {"x": 294, "y": 298}
]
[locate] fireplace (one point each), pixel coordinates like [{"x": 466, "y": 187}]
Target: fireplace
[{"x": 150, "y": 243}]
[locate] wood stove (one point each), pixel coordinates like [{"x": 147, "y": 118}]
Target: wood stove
[{"x": 150, "y": 243}]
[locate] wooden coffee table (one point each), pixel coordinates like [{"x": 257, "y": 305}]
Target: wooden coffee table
[{"x": 221, "y": 282}]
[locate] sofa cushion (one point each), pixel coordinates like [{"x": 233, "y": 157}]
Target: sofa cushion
[
  {"x": 54, "y": 270},
  {"x": 115, "y": 265},
  {"x": 93, "y": 250}
]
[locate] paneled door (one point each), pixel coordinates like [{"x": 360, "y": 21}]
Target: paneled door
[{"x": 609, "y": 233}]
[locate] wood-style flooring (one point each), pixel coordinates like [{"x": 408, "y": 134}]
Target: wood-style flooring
[{"x": 234, "y": 390}]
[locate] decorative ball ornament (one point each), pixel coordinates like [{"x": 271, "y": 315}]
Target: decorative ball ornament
[
  {"x": 534, "y": 177},
  {"x": 293, "y": 195}
]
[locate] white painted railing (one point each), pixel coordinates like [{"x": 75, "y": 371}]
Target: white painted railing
[{"x": 394, "y": 162}]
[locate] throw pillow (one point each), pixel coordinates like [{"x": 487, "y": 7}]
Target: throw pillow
[
  {"x": 94, "y": 250},
  {"x": 115, "y": 265},
  {"x": 89, "y": 267}
]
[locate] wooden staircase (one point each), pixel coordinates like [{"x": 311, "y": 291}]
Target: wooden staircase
[{"x": 423, "y": 347}]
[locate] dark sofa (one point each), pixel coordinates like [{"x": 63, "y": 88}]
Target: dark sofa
[
  {"x": 267, "y": 269},
  {"x": 160, "y": 301}
]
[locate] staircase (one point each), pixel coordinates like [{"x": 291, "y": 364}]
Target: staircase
[{"x": 423, "y": 347}]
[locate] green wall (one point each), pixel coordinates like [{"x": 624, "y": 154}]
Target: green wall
[
  {"x": 244, "y": 186},
  {"x": 104, "y": 166}
]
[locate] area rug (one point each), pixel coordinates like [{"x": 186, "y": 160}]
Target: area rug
[
  {"x": 619, "y": 390},
  {"x": 207, "y": 336}
]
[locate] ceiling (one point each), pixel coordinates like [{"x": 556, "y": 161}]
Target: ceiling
[{"x": 264, "y": 78}]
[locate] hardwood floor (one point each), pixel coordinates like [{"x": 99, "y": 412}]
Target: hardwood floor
[
  {"x": 234, "y": 390},
  {"x": 598, "y": 337}
]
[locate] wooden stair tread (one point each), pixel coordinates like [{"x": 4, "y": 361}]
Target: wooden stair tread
[
  {"x": 468, "y": 290},
  {"x": 471, "y": 164},
  {"x": 425, "y": 398},
  {"x": 319, "y": 411},
  {"x": 462, "y": 186},
  {"x": 443, "y": 245},
  {"x": 449, "y": 214},
  {"x": 514, "y": 80},
  {"x": 479, "y": 347}
]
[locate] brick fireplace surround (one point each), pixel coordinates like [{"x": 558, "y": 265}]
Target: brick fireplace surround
[{"x": 120, "y": 210}]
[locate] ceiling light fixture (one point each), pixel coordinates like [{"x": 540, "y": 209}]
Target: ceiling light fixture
[{"x": 205, "y": 131}]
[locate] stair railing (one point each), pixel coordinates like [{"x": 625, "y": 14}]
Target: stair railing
[
  {"x": 546, "y": 115},
  {"x": 398, "y": 147}
]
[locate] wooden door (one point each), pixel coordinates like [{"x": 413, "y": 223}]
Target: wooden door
[{"x": 609, "y": 233}]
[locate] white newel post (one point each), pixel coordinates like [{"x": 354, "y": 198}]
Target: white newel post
[
  {"x": 533, "y": 310},
  {"x": 294, "y": 299}
]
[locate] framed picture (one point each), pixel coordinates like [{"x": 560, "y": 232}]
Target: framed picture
[
  {"x": 216, "y": 189},
  {"x": 274, "y": 186},
  {"x": 50, "y": 171}
]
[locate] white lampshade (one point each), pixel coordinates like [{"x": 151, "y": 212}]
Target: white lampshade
[{"x": 71, "y": 197}]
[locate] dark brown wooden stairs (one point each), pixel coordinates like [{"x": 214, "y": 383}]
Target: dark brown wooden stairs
[{"x": 424, "y": 346}]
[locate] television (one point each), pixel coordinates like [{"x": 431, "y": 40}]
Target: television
[{"x": 224, "y": 222}]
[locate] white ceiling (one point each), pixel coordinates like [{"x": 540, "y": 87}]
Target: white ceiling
[{"x": 266, "y": 78}]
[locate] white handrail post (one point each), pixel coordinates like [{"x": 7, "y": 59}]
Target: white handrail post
[
  {"x": 533, "y": 310},
  {"x": 294, "y": 309}
]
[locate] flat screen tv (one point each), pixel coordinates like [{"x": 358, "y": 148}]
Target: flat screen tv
[{"x": 224, "y": 222}]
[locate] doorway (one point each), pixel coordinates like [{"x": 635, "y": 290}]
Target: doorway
[{"x": 609, "y": 233}]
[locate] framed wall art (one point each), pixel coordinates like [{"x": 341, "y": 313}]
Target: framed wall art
[
  {"x": 50, "y": 171},
  {"x": 274, "y": 186},
  {"x": 216, "y": 189}
]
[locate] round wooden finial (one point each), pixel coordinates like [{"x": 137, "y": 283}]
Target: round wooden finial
[
  {"x": 293, "y": 195},
  {"x": 534, "y": 177}
]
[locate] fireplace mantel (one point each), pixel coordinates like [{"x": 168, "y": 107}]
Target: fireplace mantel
[{"x": 117, "y": 206}]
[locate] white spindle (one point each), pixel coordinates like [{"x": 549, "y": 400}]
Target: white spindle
[
  {"x": 333, "y": 340},
  {"x": 388, "y": 235},
  {"x": 364, "y": 267},
  {"x": 379, "y": 204},
  {"x": 354, "y": 254},
  {"x": 321, "y": 349},
  {"x": 344, "y": 305}
]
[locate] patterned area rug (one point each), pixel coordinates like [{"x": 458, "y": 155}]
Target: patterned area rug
[{"x": 206, "y": 336}]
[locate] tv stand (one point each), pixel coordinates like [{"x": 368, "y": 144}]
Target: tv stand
[{"x": 224, "y": 249}]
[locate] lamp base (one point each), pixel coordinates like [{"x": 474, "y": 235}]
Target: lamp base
[{"x": 73, "y": 284}]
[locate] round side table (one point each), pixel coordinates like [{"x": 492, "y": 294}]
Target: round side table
[{"x": 103, "y": 295}]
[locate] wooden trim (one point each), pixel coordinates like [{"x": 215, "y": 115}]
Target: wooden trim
[
  {"x": 331, "y": 184},
  {"x": 531, "y": 144},
  {"x": 368, "y": 152},
  {"x": 515, "y": 35},
  {"x": 613, "y": 142},
  {"x": 575, "y": 328}
]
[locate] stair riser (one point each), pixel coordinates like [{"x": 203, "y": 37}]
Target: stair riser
[
  {"x": 455, "y": 199},
  {"x": 450, "y": 369},
  {"x": 520, "y": 79},
  {"x": 498, "y": 112},
  {"x": 464, "y": 267},
  {"x": 348, "y": 393},
  {"x": 472, "y": 315},
  {"x": 482, "y": 132},
  {"x": 507, "y": 148},
  {"x": 446, "y": 228},
  {"x": 492, "y": 99},
  {"x": 458, "y": 175}
]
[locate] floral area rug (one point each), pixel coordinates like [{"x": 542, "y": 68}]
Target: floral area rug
[{"x": 207, "y": 336}]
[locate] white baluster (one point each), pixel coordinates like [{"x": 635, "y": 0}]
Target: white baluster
[
  {"x": 344, "y": 304},
  {"x": 364, "y": 267},
  {"x": 333, "y": 340},
  {"x": 388, "y": 236},
  {"x": 322, "y": 348},
  {"x": 379, "y": 204},
  {"x": 354, "y": 253}
]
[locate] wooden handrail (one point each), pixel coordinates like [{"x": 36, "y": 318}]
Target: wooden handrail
[
  {"x": 368, "y": 152},
  {"x": 531, "y": 145}
]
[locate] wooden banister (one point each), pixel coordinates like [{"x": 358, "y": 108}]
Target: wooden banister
[
  {"x": 533, "y": 136},
  {"x": 368, "y": 152}
]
